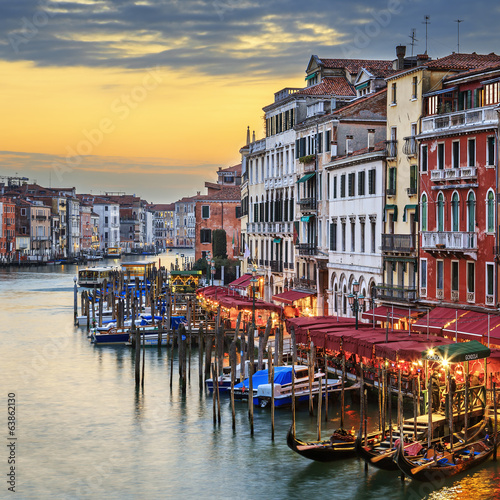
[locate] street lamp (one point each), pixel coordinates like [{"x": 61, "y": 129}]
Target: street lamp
[
  {"x": 355, "y": 301},
  {"x": 253, "y": 281},
  {"x": 212, "y": 266}
]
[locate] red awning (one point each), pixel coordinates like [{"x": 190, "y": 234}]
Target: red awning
[
  {"x": 382, "y": 312},
  {"x": 472, "y": 326},
  {"x": 438, "y": 318},
  {"x": 409, "y": 350},
  {"x": 291, "y": 296},
  {"x": 241, "y": 282}
]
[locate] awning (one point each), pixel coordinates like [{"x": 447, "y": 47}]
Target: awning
[
  {"x": 291, "y": 296},
  {"x": 381, "y": 313},
  {"x": 392, "y": 207},
  {"x": 241, "y": 282},
  {"x": 442, "y": 91},
  {"x": 438, "y": 318},
  {"x": 306, "y": 177},
  {"x": 471, "y": 325},
  {"x": 456, "y": 353},
  {"x": 312, "y": 75},
  {"x": 306, "y": 218},
  {"x": 277, "y": 240},
  {"x": 410, "y": 207}
]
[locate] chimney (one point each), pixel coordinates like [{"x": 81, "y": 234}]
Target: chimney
[
  {"x": 248, "y": 135},
  {"x": 371, "y": 139},
  {"x": 400, "y": 54},
  {"x": 253, "y": 136},
  {"x": 422, "y": 59}
]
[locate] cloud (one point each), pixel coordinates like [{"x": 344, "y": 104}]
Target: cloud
[{"x": 221, "y": 37}]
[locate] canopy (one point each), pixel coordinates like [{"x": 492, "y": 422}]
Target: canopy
[
  {"x": 409, "y": 350},
  {"x": 438, "y": 318},
  {"x": 241, "y": 282},
  {"x": 282, "y": 375},
  {"x": 458, "y": 352},
  {"x": 306, "y": 177},
  {"x": 381, "y": 313},
  {"x": 291, "y": 296},
  {"x": 471, "y": 325}
]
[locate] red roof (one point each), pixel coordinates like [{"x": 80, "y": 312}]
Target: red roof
[
  {"x": 241, "y": 282},
  {"x": 382, "y": 313},
  {"x": 354, "y": 65},
  {"x": 291, "y": 296},
  {"x": 462, "y": 62},
  {"x": 438, "y": 318},
  {"x": 472, "y": 326},
  {"x": 337, "y": 85}
]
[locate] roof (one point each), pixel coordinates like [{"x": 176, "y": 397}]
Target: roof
[
  {"x": 354, "y": 65},
  {"x": 234, "y": 168},
  {"x": 456, "y": 353},
  {"x": 380, "y": 146},
  {"x": 163, "y": 206},
  {"x": 462, "y": 62},
  {"x": 337, "y": 85},
  {"x": 489, "y": 66},
  {"x": 291, "y": 296},
  {"x": 230, "y": 193}
]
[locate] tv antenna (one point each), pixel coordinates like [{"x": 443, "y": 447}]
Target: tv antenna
[
  {"x": 426, "y": 22},
  {"x": 413, "y": 39},
  {"x": 458, "y": 21}
]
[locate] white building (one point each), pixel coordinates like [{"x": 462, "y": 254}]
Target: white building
[{"x": 109, "y": 223}]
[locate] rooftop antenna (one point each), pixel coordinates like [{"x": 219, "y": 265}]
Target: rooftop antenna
[
  {"x": 426, "y": 22},
  {"x": 413, "y": 39},
  {"x": 458, "y": 21}
]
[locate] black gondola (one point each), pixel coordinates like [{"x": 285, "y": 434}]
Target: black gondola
[{"x": 382, "y": 460}]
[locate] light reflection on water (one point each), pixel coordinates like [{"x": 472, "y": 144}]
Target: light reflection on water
[{"x": 86, "y": 432}]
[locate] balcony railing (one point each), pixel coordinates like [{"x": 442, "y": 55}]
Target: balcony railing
[
  {"x": 396, "y": 293},
  {"x": 452, "y": 173},
  {"x": 391, "y": 148},
  {"x": 304, "y": 284},
  {"x": 410, "y": 146},
  {"x": 398, "y": 243},
  {"x": 391, "y": 191},
  {"x": 449, "y": 240},
  {"x": 276, "y": 266},
  {"x": 471, "y": 117},
  {"x": 437, "y": 175},
  {"x": 468, "y": 172},
  {"x": 307, "y": 248},
  {"x": 307, "y": 204}
]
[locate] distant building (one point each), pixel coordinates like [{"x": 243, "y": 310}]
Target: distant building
[
  {"x": 7, "y": 228},
  {"x": 163, "y": 225},
  {"x": 185, "y": 223}
]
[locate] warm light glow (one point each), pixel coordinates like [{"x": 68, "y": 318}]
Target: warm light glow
[{"x": 430, "y": 352}]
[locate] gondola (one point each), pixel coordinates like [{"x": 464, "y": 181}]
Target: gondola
[
  {"x": 446, "y": 463},
  {"x": 369, "y": 454},
  {"x": 340, "y": 445}
]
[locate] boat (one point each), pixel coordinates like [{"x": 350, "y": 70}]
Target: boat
[
  {"x": 113, "y": 253},
  {"x": 92, "y": 277},
  {"x": 138, "y": 269},
  {"x": 224, "y": 380},
  {"x": 445, "y": 463},
  {"x": 340, "y": 445}
]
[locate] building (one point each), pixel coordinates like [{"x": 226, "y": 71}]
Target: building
[
  {"x": 7, "y": 228},
  {"x": 163, "y": 225},
  {"x": 458, "y": 186},
  {"x": 109, "y": 222},
  {"x": 185, "y": 223}
]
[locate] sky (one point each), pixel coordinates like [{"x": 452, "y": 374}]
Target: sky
[{"x": 151, "y": 97}]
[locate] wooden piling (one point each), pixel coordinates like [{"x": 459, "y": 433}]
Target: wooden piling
[
  {"x": 143, "y": 348},
  {"x": 342, "y": 393},
  {"x": 270, "y": 367},
  {"x": 232, "y": 361},
  {"x": 326, "y": 386},
  {"x": 200, "y": 357},
  {"x": 495, "y": 419},
  {"x": 320, "y": 402},
  {"x": 311, "y": 377}
]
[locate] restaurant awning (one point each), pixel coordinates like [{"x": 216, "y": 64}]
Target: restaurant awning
[
  {"x": 438, "y": 318},
  {"x": 471, "y": 325},
  {"x": 306, "y": 177},
  {"x": 381, "y": 313},
  {"x": 241, "y": 282},
  {"x": 457, "y": 353},
  {"x": 291, "y": 296}
]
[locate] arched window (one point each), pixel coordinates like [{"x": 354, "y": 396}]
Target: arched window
[
  {"x": 455, "y": 217},
  {"x": 490, "y": 212},
  {"x": 424, "y": 212},
  {"x": 471, "y": 212},
  {"x": 440, "y": 212}
]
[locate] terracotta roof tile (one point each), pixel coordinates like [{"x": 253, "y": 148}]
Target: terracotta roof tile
[
  {"x": 462, "y": 62},
  {"x": 354, "y": 65},
  {"x": 337, "y": 85}
]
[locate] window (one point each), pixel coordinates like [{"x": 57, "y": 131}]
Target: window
[
  {"x": 490, "y": 151},
  {"x": 342, "y": 186},
  {"x": 205, "y": 236},
  {"x": 490, "y": 207},
  {"x": 328, "y": 186},
  {"x": 391, "y": 188},
  {"x": 423, "y": 273},
  {"x": 455, "y": 154},
  {"x": 105, "y": 220},
  {"x": 471, "y": 212},
  {"x": 393, "y": 93},
  {"x": 335, "y": 187},
  {"x": 353, "y": 237},
  {"x": 491, "y": 93},
  {"x": 361, "y": 183},
  {"x": 440, "y": 156},
  {"x": 351, "y": 179},
  {"x": 413, "y": 179},
  {"x": 454, "y": 276},
  {"x": 470, "y": 277},
  {"x": 343, "y": 236},
  {"x": 490, "y": 269},
  {"x": 471, "y": 153},
  {"x": 238, "y": 212},
  {"x": 440, "y": 212},
  {"x": 439, "y": 278},
  {"x": 424, "y": 212},
  {"x": 362, "y": 238},
  {"x": 414, "y": 84},
  {"x": 327, "y": 141},
  {"x": 423, "y": 157},
  {"x": 333, "y": 236},
  {"x": 455, "y": 216},
  {"x": 205, "y": 211},
  {"x": 373, "y": 236},
  {"x": 106, "y": 208},
  {"x": 371, "y": 181}
]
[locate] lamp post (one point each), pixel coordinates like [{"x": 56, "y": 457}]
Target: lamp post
[
  {"x": 207, "y": 257},
  {"x": 212, "y": 266},
  {"x": 355, "y": 300},
  {"x": 253, "y": 281}
]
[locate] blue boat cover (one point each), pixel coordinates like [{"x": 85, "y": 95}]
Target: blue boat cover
[{"x": 282, "y": 375}]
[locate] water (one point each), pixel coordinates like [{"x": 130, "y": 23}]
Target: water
[{"x": 84, "y": 431}]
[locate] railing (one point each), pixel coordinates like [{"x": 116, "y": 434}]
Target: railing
[
  {"x": 307, "y": 204},
  {"x": 410, "y": 146},
  {"x": 307, "y": 248},
  {"x": 391, "y": 148},
  {"x": 398, "y": 242},
  {"x": 452, "y": 173},
  {"x": 412, "y": 190},
  {"x": 437, "y": 175},
  {"x": 276, "y": 266},
  {"x": 459, "y": 119},
  {"x": 304, "y": 284},
  {"x": 449, "y": 240},
  {"x": 396, "y": 293},
  {"x": 468, "y": 172},
  {"x": 390, "y": 191}
]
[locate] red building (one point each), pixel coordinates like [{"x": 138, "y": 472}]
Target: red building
[
  {"x": 7, "y": 228},
  {"x": 458, "y": 186},
  {"x": 220, "y": 208}
]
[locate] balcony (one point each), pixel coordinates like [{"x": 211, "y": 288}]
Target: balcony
[
  {"x": 390, "y": 191},
  {"x": 396, "y": 293},
  {"x": 460, "y": 119},
  {"x": 307, "y": 204},
  {"x": 304, "y": 284},
  {"x": 437, "y": 175},
  {"x": 391, "y": 148},
  {"x": 276, "y": 266},
  {"x": 307, "y": 248},
  {"x": 468, "y": 172},
  {"x": 404, "y": 243},
  {"x": 449, "y": 240},
  {"x": 452, "y": 173},
  {"x": 410, "y": 146}
]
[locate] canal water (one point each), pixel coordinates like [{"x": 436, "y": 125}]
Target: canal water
[{"x": 84, "y": 431}]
